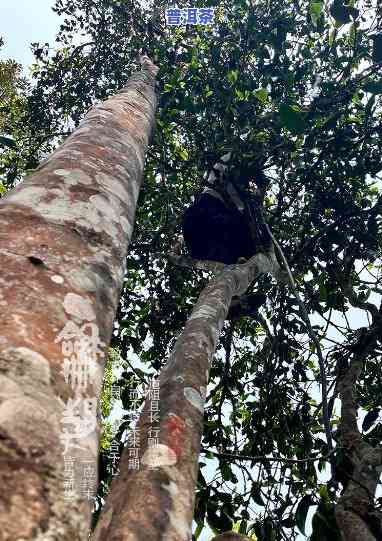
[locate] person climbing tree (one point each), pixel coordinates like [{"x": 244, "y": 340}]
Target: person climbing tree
[{"x": 225, "y": 222}]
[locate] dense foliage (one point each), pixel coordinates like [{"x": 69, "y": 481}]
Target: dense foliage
[{"x": 290, "y": 87}]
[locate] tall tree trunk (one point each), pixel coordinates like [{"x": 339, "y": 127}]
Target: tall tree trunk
[
  {"x": 361, "y": 467},
  {"x": 63, "y": 241},
  {"x": 153, "y": 497}
]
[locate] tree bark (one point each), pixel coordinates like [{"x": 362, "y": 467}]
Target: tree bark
[
  {"x": 356, "y": 514},
  {"x": 154, "y": 499},
  {"x": 64, "y": 236}
]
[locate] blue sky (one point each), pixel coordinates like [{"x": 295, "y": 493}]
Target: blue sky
[{"x": 23, "y": 22}]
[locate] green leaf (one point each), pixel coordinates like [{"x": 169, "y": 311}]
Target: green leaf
[
  {"x": 242, "y": 527},
  {"x": 370, "y": 419},
  {"x": 331, "y": 37},
  {"x": 292, "y": 119},
  {"x": 340, "y": 12},
  {"x": 374, "y": 87},
  {"x": 198, "y": 530},
  {"x": 226, "y": 472},
  {"x": 183, "y": 153},
  {"x": 7, "y": 142},
  {"x": 323, "y": 293},
  {"x": 262, "y": 95},
  {"x": 377, "y": 48},
  {"x": 188, "y": 104},
  {"x": 324, "y": 493},
  {"x": 302, "y": 511},
  {"x": 240, "y": 94},
  {"x": 233, "y": 76},
  {"x": 315, "y": 10},
  {"x": 256, "y": 495}
]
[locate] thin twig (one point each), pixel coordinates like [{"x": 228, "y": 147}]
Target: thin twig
[
  {"x": 259, "y": 458},
  {"x": 312, "y": 334}
]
